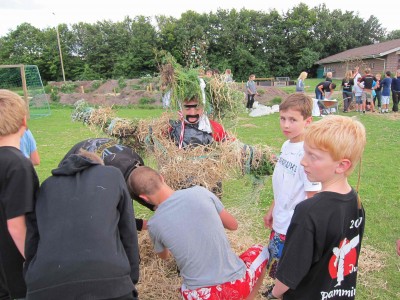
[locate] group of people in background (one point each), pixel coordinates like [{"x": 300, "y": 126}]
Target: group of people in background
[{"x": 370, "y": 91}]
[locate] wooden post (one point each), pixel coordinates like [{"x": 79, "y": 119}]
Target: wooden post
[{"x": 82, "y": 89}]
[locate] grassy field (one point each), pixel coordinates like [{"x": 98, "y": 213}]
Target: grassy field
[{"x": 379, "y": 187}]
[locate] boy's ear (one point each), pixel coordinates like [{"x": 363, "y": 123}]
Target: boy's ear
[
  {"x": 308, "y": 120},
  {"x": 144, "y": 197},
  {"x": 24, "y": 122},
  {"x": 343, "y": 166}
]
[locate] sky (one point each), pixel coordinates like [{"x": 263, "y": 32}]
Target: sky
[{"x": 48, "y": 13}]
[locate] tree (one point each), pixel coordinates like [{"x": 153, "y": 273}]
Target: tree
[
  {"x": 393, "y": 35},
  {"x": 138, "y": 57}
]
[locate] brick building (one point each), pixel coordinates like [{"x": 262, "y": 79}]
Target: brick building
[{"x": 380, "y": 57}]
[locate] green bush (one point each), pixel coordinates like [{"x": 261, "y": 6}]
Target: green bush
[
  {"x": 54, "y": 96},
  {"x": 96, "y": 84},
  {"x": 146, "y": 101},
  {"x": 47, "y": 88},
  {"x": 261, "y": 91},
  {"x": 121, "y": 83},
  {"x": 276, "y": 100},
  {"x": 68, "y": 87},
  {"x": 145, "y": 79}
]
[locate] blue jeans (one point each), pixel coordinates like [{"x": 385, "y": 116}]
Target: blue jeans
[
  {"x": 318, "y": 94},
  {"x": 347, "y": 98}
]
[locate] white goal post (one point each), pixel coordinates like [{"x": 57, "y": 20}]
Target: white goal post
[{"x": 25, "y": 80}]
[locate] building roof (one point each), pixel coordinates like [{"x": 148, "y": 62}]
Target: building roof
[{"x": 369, "y": 51}]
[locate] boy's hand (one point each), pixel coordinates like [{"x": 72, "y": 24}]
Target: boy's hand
[{"x": 268, "y": 219}]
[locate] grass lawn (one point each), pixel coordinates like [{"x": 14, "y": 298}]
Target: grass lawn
[{"x": 379, "y": 187}]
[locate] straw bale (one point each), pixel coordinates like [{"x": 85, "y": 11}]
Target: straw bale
[
  {"x": 101, "y": 117},
  {"x": 123, "y": 128},
  {"x": 82, "y": 111}
]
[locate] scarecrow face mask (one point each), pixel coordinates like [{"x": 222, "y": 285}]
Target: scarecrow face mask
[{"x": 192, "y": 111}]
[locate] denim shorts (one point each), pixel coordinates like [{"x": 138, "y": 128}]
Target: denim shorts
[{"x": 358, "y": 100}]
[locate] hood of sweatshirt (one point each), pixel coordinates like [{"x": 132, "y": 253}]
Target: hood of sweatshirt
[{"x": 73, "y": 164}]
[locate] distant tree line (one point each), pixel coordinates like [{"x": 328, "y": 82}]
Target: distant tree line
[{"x": 246, "y": 41}]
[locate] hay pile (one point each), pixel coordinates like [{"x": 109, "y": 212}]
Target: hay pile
[
  {"x": 206, "y": 165},
  {"x": 159, "y": 279}
]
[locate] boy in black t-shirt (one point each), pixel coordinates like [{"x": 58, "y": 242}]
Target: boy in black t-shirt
[
  {"x": 323, "y": 242},
  {"x": 18, "y": 184}
]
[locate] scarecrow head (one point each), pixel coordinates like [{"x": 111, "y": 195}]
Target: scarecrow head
[{"x": 192, "y": 110}]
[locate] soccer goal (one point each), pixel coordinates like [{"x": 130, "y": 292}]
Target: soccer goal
[{"x": 25, "y": 80}]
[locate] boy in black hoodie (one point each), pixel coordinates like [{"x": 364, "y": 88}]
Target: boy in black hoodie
[
  {"x": 82, "y": 242},
  {"x": 120, "y": 156}
]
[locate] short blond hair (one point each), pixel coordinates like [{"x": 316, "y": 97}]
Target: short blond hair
[
  {"x": 342, "y": 137},
  {"x": 12, "y": 112},
  {"x": 299, "y": 102}
]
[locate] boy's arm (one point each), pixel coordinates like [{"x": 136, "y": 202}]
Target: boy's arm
[
  {"x": 279, "y": 289},
  {"x": 35, "y": 158},
  {"x": 321, "y": 89},
  {"x": 228, "y": 220},
  {"x": 164, "y": 254},
  {"x": 268, "y": 219},
  {"x": 17, "y": 229}
]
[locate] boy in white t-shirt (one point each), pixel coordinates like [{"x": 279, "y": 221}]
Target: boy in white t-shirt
[{"x": 289, "y": 181}]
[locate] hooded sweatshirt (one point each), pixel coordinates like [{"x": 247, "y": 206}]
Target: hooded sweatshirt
[
  {"x": 113, "y": 154},
  {"x": 82, "y": 241}
]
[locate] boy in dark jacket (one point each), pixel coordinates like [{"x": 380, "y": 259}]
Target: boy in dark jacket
[
  {"x": 82, "y": 242},
  {"x": 113, "y": 154}
]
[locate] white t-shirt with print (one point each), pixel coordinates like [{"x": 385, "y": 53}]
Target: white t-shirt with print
[{"x": 290, "y": 185}]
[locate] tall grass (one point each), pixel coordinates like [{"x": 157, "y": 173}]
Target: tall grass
[{"x": 379, "y": 189}]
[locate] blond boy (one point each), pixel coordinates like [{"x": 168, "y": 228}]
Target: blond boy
[
  {"x": 18, "y": 184},
  {"x": 320, "y": 258},
  {"x": 289, "y": 182}
]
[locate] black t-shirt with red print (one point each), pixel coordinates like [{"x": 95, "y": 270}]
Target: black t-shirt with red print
[{"x": 323, "y": 242}]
